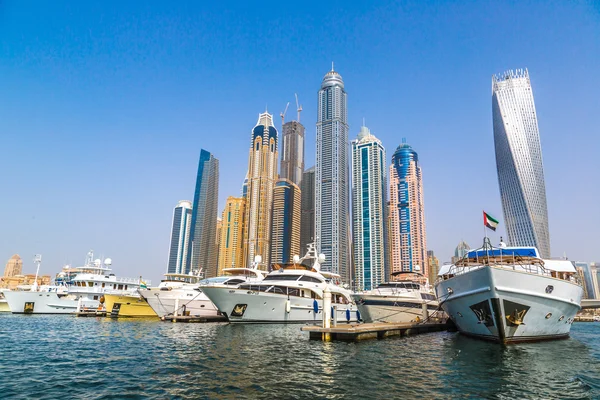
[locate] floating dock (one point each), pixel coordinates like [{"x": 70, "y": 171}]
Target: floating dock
[
  {"x": 357, "y": 332},
  {"x": 193, "y": 318},
  {"x": 90, "y": 313}
]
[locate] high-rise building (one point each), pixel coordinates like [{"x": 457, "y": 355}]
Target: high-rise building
[
  {"x": 262, "y": 174},
  {"x": 307, "y": 219},
  {"x": 519, "y": 161},
  {"x": 407, "y": 240},
  {"x": 460, "y": 251},
  {"x": 180, "y": 238},
  {"x": 434, "y": 266},
  {"x": 285, "y": 241},
  {"x": 332, "y": 229},
  {"x": 204, "y": 216},
  {"x": 369, "y": 199},
  {"x": 292, "y": 155},
  {"x": 231, "y": 250},
  {"x": 14, "y": 266},
  {"x": 218, "y": 240}
]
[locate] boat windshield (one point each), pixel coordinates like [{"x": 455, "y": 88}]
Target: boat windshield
[
  {"x": 400, "y": 285},
  {"x": 282, "y": 277}
]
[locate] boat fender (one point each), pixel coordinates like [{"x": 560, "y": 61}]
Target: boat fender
[
  {"x": 102, "y": 299},
  {"x": 315, "y": 306},
  {"x": 348, "y": 314},
  {"x": 358, "y": 316},
  {"x": 288, "y": 306}
]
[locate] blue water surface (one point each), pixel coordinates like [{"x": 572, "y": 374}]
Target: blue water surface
[{"x": 53, "y": 357}]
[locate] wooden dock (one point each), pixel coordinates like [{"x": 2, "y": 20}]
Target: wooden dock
[
  {"x": 357, "y": 332},
  {"x": 196, "y": 319}
]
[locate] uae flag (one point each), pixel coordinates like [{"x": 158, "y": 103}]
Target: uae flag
[{"x": 489, "y": 221}]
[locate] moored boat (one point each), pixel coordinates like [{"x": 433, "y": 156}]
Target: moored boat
[
  {"x": 405, "y": 301},
  {"x": 289, "y": 294},
  {"x": 127, "y": 305},
  {"x": 509, "y": 294}
]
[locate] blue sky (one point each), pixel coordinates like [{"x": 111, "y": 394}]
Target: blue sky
[{"x": 104, "y": 107}]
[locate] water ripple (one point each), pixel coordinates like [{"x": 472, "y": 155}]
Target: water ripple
[{"x": 48, "y": 357}]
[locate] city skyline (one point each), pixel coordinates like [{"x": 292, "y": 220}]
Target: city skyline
[{"x": 123, "y": 104}]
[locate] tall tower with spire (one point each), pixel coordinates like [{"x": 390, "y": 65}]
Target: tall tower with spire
[
  {"x": 332, "y": 228},
  {"x": 262, "y": 175}
]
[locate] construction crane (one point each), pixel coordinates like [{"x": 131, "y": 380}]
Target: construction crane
[
  {"x": 298, "y": 107},
  {"x": 282, "y": 115}
]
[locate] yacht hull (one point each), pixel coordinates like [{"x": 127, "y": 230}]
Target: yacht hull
[
  {"x": 164, "y": 302},
  {"x": 508, "y": 306},
  {"x": 127, "y": 306},
  {"x": 40, "y": 303},
  {"x": 393, "y": 309},
  {"x": 4, "y": 306},
  {"x": 244, "y": 306}
]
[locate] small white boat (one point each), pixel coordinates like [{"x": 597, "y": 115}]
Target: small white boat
[
  {"x": 179, "y": 294},
  {"x": 509, "y": 294},
  {"x": 289, "y": 294},
  {"x": 405, "y": 301}
]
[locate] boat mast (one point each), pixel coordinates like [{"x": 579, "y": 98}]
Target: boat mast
[{"x": 37, "y": 259}]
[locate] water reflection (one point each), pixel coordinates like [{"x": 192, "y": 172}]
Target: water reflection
[{"x": 46, "y": 357}]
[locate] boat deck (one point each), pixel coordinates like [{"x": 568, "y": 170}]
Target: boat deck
[{"x": 357, "y": 332}]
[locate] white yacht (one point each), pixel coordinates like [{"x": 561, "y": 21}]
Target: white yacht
[
  {"x": 509, "y": 294},
  {"x": 179, "y": 293},
  {"x": 405, "y": 301},
  {"x": 289, "y": 294},
  {"x": 84, "y": 292}
]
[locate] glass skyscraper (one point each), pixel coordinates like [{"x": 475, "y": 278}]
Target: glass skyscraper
[
  {"x": 307, "y": 218},
  {"x": 407, "y": 239},
  {"x": 369, "y": 200},
  {"x": 285, "y": 238},
  {"x": 331, "y": 177},
  {"x": 202, "y": 251},
  {"x": 180, "y": 238},
  {"x": 519, "y": 161}
]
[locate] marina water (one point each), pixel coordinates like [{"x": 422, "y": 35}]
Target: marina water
[{"x": 48, "y": 357}]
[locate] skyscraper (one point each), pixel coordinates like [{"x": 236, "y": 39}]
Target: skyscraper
[
  {"x": 218, "y": 240},
  {"x": 285, "y": 242},
  {"x": 262, "y": 174},
  {"x": 180, "y": 238},
  {"x": 434, "y": 266},
  {"x": 519, "y": 161},
  {"x": 231, "y": 250},
  {"x": 14, "y": 266},
  {"x": 292, "y": 156},
  {"x": 307, "y": 218},
  {"x": 369, "y": 199},
  {"x": 408, "y": 244},
  {"x": 331, "y": 177},
  {"x": 460, "y": 251},
  {"x": 204, "y": 216}
]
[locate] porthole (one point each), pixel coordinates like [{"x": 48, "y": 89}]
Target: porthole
[
  {"x": 548, "y": 315},
  {"x": 459, "y": 314},
  {"x": 561, "y": 318}
]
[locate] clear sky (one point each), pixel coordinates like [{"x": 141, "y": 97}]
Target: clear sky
[{"x": 105, "y": 105}]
